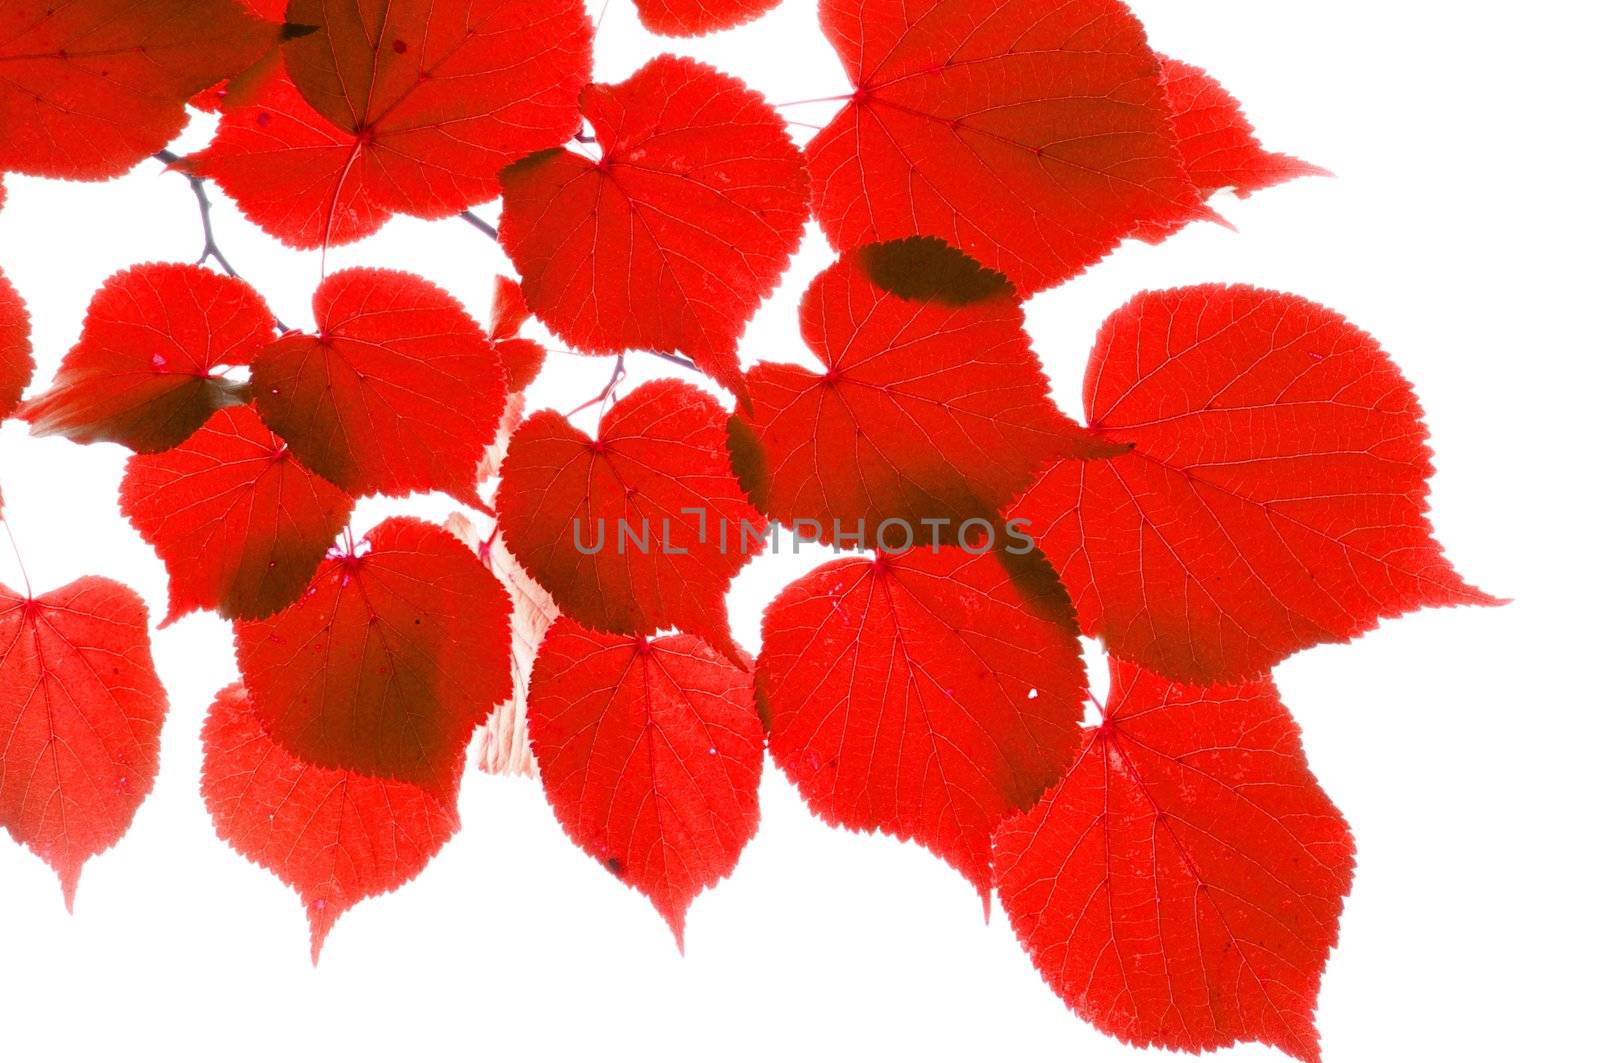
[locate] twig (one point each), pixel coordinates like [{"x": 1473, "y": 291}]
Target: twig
[
  {"x": 211, "y": 251},
  {"x": 814, "y": 99},
  {"x": 678, "y": 360},
  {"x": 16, "y": 551},
  {"x": 617, "y": 373},
  {"x": 479, "y": 224},
  {"x": 1098, "y": 706}
]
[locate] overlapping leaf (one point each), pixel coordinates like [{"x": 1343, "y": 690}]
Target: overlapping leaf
[
  {"x": 240, "y": 524},
  {"x": 931, "y": 409},
  {"x": 650, "y": 752},
  {"x": 672, "y": 239},
  {"x": 1217, "y": 142},
  {"x": 290, "y": 170},
  {"x": 226, "y": 93},
  {"x": 1033, "y": 137},
  {"x": 148, "y": 368},
  {"x": 522, "y": 358},
  {"x": 335, "y": 837},
  {"x": 81, "y": 711},
  {"x": 1252, "y": 480},
  {"x": 16, "y": 352},
  {"x": 640, "y": 529},
  {"x": 928, "y": 695},
  {"x": 399, "y": 391},
  {"x": 384, "y": 667},
  {"x": 1181, "y": 886},
  {"x": 89, "y": 88},
  {"x": 1274, "y": 497},
  {"x": 446, "y": 93},
  {"x": 399, "y": 107}
]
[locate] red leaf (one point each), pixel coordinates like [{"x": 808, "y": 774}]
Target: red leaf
[
  {"x": 650, "y": 751},
  {"x": 290, "y": 170},
  {"x": 691, "y": 18},
  {"x": 674, "y": 237},
  {"x": 81, "y": 709},
  {"x": 16, "y": 353},
  {"x": 1218, "y": 144},
  {"x": 93, "y": 87},
  {"x": 400, "y": 108},
  {"x": 399, "y": 392},
  {"x": 409, "y": 109},
  {"x": 927, "y": 695},
  {"x": 147, "y": 370},
  {"x": 390, "y": 660},
  {"x": 932, "y": 405},
  {"x": 335, "y": 837},
  {"x": 660, "y": 466},
  {"x": 1181, "y": 886},
  {"x": 1274, "y": 497},
  {"x": 452, "y": 88},
  {"x": 224, "y": 94},
  {"x": 1034, "y": 138},
  {"x": 521, "y": 358},
  {"x": 510, "y": 310},
  {"x": 240, "y": 524}
]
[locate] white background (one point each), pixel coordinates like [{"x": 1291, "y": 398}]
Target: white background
[{"x": 1460, "y": 744}]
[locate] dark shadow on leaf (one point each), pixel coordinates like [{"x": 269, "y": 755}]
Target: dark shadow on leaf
[
  {"x": 530, "y": 162},
  {"x": 1039, "y": 585},
  {"x": 748, "y": 460},
  {"x": 928, "y": 269}
]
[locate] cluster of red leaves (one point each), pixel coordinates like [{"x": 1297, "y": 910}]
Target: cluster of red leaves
[{"x": 1250, "y": 479}]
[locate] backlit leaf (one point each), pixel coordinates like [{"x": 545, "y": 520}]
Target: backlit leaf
[
  {"x": 240, "y": 524},
  {"x": 148, "y": 368},
  {"x": 399, "y": 391},
  {"x": 1033, "y": 137},
  {"x": 1181, "y": 886},
  {"x": 931, "y": 409},
  {"x": 390, "y": 660},
  {"x": 1274, "y": 497},
  {"x": 927, "y": 695},
  {"x": 81, "y": 710},
  {"x": 640, "y": 529},
  {"x": 672, "y": 239},
  {"x": 650, "y": 752},
  {"x": 335, "y": 837},
  {"x": 89, "y": 88}
]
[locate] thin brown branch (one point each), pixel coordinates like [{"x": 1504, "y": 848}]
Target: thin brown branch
[
  {"x": 211, "y": 250},
  {"x": 617, "y": 373},
  {"x": 479, "y": 224}
]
